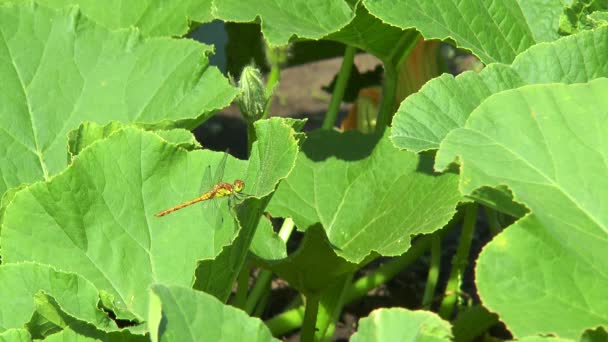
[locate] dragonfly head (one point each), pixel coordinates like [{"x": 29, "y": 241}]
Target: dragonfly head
[{"x": 239, "y": 185}]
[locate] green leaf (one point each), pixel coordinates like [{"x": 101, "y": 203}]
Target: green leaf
[
  {"x": 365, "y": 30},
  {"x": 281, "y": 20},
  {"x": 15, "y": 335},
  {"x": 473, "y": 322},
  {"x": 367, "y": 195},
  {"x": 582, "y": 15},
  {"x": 170, "y": 18},
  {"x": 592, "y": 335},
  {"x": 494, "y": 31},
  {"x": 59, "y": 69},
  {"x": 544, "y": 339},
  {"x": 21, "y": 283},
  {"x": 79, "y": 334},
  {"x": 545, "y": 273},
  {"x": 363, "y": 197},
  {"x": 398, "y": 324},
  {"x": 445, "y": 103},
  {"x": 97, "y": 218},
  {"x": 266, "y": 243},
  {"x": 183, "y": 314},
  {"x": 90, "y": 132},
  {"x": 314, "y": 266}
]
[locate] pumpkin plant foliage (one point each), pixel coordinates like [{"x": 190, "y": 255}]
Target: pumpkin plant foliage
[{"x": 97, "y": 104}]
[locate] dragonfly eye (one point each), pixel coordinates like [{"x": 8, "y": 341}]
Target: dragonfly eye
[{"x": 238, "y": 185}]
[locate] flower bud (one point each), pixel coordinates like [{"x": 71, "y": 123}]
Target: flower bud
[{"x": 252, "y": 99}]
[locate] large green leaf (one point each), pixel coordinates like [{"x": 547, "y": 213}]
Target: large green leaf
[
  {"x": 15, "y": 335},
  {"x": 547, "y": 272},
  {"x": 97, "y": 218},
  {"x": 152, "y": 17},
  {"x": 365, "y": 196},
  {"x": 59, "y": 69},
  {"x": 183, "y": 314},
  {"x": 399, "y": 324},
  {"x": 425, "y": 118},
  {"x": 370, "y": 34},
  {"x": 495, "y": 31},
  {"x": 20, "y": 283},
  {"x": 281, "y": 20},
  {"x": 86, "y": 334}
]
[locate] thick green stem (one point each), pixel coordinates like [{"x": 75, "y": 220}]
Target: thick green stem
[
  {"x": 459, "y": 262},
  {"x": 262, "y": 284},
  {"x": 387, "y": 271},
  {"x": 310, "y": 319},
  {"x": 389, "y": 87},
  {"x": 292, "y": 319},
  {"x": 431, "y": 280},
  {"x": 261, "y": 304},
  {"x": 286, "y": 229},
  {"x": 285, "y": 322},
  {"x": 258, "y": 291},
  {"x": 340, "y": 87},
  {"x": 243, "y": 286},
  {"x": 331, "y": 303},
  {"x": 492, "y": 220}
]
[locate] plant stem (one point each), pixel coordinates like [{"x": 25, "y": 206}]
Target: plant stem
[
  {"x": 273, "y": 79},
  {"x": 242, "y": 287},
  {"x": 286, "y": 321},
  {"x": 286, "y": 229},
  {"x": 251, "y": 136},
  {"x": 387, "y": 271},
  {"x": 331, "y": 303},
  {"x": 292, "y": 319},
  {"x": 389, "y": 87},
  {"x": 431, "y": 280},
  {"x": 261, "y": 304},
  {"x": 340, "y": 87},
  {"x": 329, "y": 332},
  {"x": 459, "y": 262},
  {"x": 307, "y": 333},
  {"x": 262, "y": 284},
  {"x": 492, "y": 220}
]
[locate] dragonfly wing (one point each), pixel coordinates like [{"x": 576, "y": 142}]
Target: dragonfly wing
[
  {"x": 219, "y": 171},
  {"x": 209, "y": 208}
]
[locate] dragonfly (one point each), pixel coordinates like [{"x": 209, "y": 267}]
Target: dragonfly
[{"x": 220, "y": 189}]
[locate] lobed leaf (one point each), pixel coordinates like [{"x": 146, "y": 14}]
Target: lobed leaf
[
  {"x": 365, "y": 196},
  {"x": 152, "y": 17},
  {"x": 15, "y": 335},
  {"x": 58, "y": 69},
  {"x": 495, "y": 31},
  {"x": 182, "y": 314},
  {"x": 546, "y": 273},
  {"x": 97, "y": 218},
  {"x": 20, "y": 283},
  {"x": 446, "y": 102},
  {"x": 397, "y": 324},
  {"x": 282, "y": 20}
]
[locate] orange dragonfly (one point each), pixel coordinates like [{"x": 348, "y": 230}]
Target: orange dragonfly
[{"x": 220, "y": 189}]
